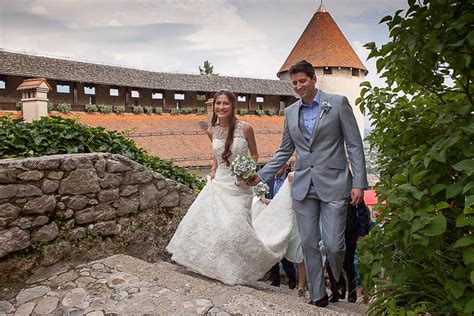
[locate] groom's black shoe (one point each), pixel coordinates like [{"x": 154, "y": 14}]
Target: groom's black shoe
[{"x": 322, "y": 302}]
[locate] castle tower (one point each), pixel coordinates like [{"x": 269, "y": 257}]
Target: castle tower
[{"x": 337, "y": 66}]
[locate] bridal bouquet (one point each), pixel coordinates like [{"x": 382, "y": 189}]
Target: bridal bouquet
[
  {"x": 243, "y": 167},
  {"x": 261, "y": 189}
]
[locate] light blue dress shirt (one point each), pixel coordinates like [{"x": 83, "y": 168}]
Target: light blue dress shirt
[
  {"x": 310, "y": 112},
  {"x": 277, "y": 183}
]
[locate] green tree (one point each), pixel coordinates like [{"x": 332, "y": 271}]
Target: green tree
[
  {"x": 420, "y": 257},
  {"x": 207, "y": 69}
]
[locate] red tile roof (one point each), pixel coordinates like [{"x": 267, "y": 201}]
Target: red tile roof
[
  {"x": 323, "y": 45},
  {"x": 33, "y": 84},
  {"x": 181, "y": 138}
]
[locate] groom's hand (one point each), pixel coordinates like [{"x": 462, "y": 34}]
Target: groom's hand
[
  {"x": 253, "y": 181},
  {"x": 357, "y": 196}
]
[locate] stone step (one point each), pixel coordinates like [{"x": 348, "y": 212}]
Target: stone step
[
  {"x": 344, "y": 307},
  {"x": 124, "y": 285}
]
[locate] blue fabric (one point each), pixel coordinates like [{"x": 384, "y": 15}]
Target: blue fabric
[
  {"x": 278, "y": 183},
  {"x": 310, "y": 112},
  {"x": 358, "y": 277}
]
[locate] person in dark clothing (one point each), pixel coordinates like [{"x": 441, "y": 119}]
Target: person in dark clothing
[
  {"x": 288, "y": 266},
  {"x": 290, "y": 271},
  {"x": 357, "y": 225}
]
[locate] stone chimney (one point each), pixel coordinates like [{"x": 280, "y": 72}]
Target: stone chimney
[{"x": 34, "y": 98}]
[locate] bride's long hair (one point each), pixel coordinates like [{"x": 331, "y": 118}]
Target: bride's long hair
[{"x": 232, "y": 122}]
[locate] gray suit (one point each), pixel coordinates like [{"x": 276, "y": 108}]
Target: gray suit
[{"x": 322, "y": 182}]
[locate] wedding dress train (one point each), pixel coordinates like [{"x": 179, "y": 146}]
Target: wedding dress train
[{"x": 217, "y": 237}]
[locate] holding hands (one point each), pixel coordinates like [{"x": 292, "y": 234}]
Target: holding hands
[
  {"x": 211, "y": 175},
  {"x": 253, "y": 181}
]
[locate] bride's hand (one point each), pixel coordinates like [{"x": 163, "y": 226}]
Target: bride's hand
[
  {"x": 211, "y": 176},
  {"x": 265, "y": 200},
  {"x": 290, "y": 176}
]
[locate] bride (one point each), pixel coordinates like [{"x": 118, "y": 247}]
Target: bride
[{"x": 218, "y": 238}]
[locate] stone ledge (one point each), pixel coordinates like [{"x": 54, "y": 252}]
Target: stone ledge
[{"x": 48, "y": 205}]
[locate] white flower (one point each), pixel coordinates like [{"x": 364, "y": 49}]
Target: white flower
[
  {"x": 243, "y": 167},
  {"x": 261, "y": 189},
  {"x": 325, "y": 107}
]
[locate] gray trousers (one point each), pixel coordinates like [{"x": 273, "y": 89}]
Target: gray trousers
[{"x": 318, "y": 220}]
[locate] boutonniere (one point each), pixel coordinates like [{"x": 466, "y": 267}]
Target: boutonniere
[{"x": 325, "y": 107}]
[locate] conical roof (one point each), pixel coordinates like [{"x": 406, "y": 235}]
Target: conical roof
[{"x": 323, "y": 45}]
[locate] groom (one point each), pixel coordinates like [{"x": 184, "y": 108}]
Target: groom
[{"x": 320, "y": 127}]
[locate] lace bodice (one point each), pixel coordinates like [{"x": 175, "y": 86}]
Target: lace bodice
[{"x": 239, "y": 145}]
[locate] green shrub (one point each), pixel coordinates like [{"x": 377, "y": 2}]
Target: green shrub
[
  {"x": 200, "y": 110},
  {"x": 201, "y": 97},
  {"x": 187, "y": 110},
  {"x": 119, "y": 109},
  {"x": 64, "y": 107},
  {"x": 243, "y": 111},
  {"x": 104, "y": 108},
  {"x": 270, "y": 112},
  {"x": 56, "y": 135},
  {"x": 148, "y": 109},
  {"x": 137, "y": 109},
  {"x": 50, "y": 106},
  {"x": 91, "y": 108},
  {"x": 159, "y": 110},
  {"x": 175, "y": 111},
  {"x": 419, "y": 259},
  {"x": 260, "y": 112}
]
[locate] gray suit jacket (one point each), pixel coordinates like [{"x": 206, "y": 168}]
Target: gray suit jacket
[{"x": 322, "y": 160}]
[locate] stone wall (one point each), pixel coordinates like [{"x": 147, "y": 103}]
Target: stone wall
[{"x": 83, "y": 207}]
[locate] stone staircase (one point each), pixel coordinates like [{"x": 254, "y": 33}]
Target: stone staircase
[{"x": 124, "y": 285}]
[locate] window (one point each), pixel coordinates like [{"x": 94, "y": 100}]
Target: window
[
  {"x": 201, "y": 97},
  {"x": 355, "y": 72},
  {"x": 179, "y": 96},
  {"x": 157, "y": 95},
  {"x": 3, "y": 84},
  {"x": 260, "y": 99},
  {"x": 135, "y": 94},
  {"x": 63, "y": 88},
  {"x": 327, "y": 71},
  {"x": 241, "y": 98},
  {"x": 89, "y": 90},
  {"x": 114, "y": 92}
]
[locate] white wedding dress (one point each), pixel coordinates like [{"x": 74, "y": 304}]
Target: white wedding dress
[{"x": 217, "y": 237}]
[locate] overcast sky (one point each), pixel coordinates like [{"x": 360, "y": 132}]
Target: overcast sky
[{"x": 249, "y": 38}]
